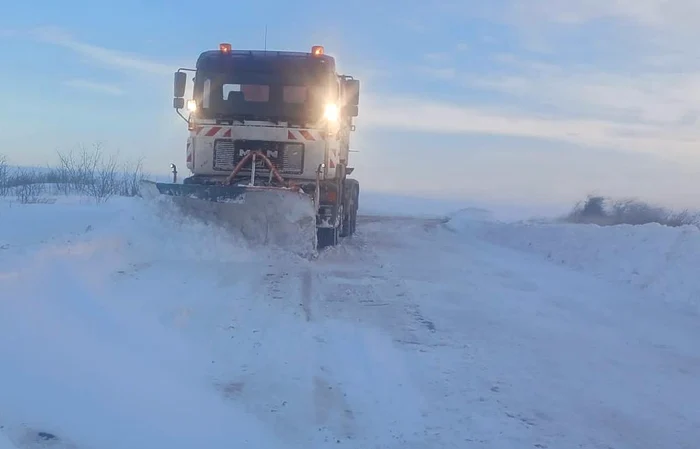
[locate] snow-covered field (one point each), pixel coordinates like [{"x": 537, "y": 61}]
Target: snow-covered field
[{"x": 124, "y": 327}]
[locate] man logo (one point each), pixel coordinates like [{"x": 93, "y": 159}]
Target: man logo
[{"x": 268, "y": 153}]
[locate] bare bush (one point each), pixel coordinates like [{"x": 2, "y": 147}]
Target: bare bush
[
  {"x": 83, "y": 172},
  {"x": 4, "y": 176},
  {"x": 26, "y": 184},
  {"x": 27, "y": 190},
  {"x": 90, "y": 173},
  {"x": 129, "y": 182},
  {"x": 604, "y": 211}
]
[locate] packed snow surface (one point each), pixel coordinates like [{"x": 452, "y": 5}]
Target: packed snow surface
[{"x": 125, "y": 326}]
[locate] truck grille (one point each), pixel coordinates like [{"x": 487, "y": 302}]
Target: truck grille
[{"x": 287, "y": 157}]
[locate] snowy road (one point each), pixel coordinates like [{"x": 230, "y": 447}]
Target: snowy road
[
  {"x": 511, "y": 351},
  {"x": 417, "y": 333}
]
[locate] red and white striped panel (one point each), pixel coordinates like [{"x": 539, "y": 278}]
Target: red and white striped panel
[
  {"x": 224, "y": 132},
  {"x": 304, "y": 135},
  {"x": 212, "y": 131}
]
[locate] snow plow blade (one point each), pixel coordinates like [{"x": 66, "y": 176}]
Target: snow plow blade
[{"x": 276, "y": 216}]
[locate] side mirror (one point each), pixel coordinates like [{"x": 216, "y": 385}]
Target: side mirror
[
  {"x": 179, "y": 84},
  {"x": 351, "y": 87},
  {"x": 178, "y": 103}
]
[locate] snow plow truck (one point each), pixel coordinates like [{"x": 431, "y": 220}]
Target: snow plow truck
[{"x": 269, "y": 143}]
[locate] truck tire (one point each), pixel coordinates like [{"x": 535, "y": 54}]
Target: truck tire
[
  {"x": 357, "y": 207},
  {"x": 327, "y": 237},
  {"x": 350, "y": 216}
]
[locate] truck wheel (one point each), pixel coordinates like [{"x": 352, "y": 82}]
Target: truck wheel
[
  {"x": 327, "y": 237},
  {"x": 346, "y": 226},
  {"x": 350, "y": 217},
  {"x": 356, "y": 207}
]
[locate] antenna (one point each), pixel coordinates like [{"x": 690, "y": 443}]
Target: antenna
[{"x": 265, "y": 37}]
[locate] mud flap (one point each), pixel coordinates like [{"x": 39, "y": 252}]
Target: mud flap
[{"x": 270, "y": 216}]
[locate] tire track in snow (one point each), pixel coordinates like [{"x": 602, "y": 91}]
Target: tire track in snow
[
  {"x": 359, "y": 389},
  {"x": 306, "y": 400},
  {"x": 331, "y": 408},
  {"x": 306, "y": 293},
  {"x": 356, "y": 277}
]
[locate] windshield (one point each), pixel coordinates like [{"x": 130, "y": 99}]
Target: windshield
[{"x": 259, "y": 95}]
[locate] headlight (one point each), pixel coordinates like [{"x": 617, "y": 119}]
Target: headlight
[
  {"x": 191, "y": 105},
  {"x": 331, "y": 112}
]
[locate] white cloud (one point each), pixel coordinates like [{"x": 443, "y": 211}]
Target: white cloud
[
  {"x": 610, "y": 75},
  {"x": 656, "y": 27},
  {"x": 417, "y": 115},
  {"x": 651, "y": 13},
  {"x": 618, "y": 74},
  {"x": 438, "y": 56},
  {"x": 95, "y": 86},
  {"x": 105, "y": 56},
  {"x": 442, "y": 73},
  {"x": 656, "y": 98},
  {"x": 412, "y": 25},
  {"x": 582, "y": 92}
]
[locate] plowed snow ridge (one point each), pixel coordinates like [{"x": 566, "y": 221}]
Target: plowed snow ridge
[{"x": 122, "y": 328}]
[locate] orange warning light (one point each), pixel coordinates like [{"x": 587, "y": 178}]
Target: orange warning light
[
  {"x": 225, "y": 48},
  {"x": 317, "y": 50}
]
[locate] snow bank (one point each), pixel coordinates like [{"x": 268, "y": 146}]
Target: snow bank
[
  {"x": 5, "y": 443},
  {"x": 154, "y": 230},
  {"x": 116, "y": 332},
  {"x": 658, "y": 259},
  {"x": 391, "y": 204},
  {"x": 127, "y": 326},
  {"x": 77, "y": 364},
  {"x": 84, "y": 362},
  {"x": 469, "y": 218}
]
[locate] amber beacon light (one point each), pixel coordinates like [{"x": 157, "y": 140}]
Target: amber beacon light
[
  {"x": 225, "y": 48},
  {"x": 317, "y": 50}
]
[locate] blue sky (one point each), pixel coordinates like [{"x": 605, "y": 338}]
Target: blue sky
[{"x": 543, "y": 100}]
